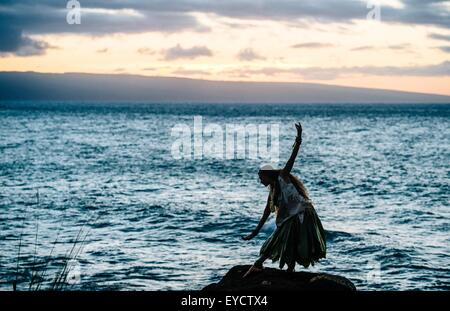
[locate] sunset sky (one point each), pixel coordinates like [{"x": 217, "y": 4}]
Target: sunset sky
[{"x": 321, "y": 41}]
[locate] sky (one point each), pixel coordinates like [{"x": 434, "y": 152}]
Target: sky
[{"x": 388, "y": 44}]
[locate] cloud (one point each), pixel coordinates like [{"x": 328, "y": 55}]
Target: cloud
[
  {"x": 362, "y": 48},
  {"x": 30, "y": 47},
  {"x": 248, "y": 55},
  {"x": 312, "y": 45},
  {"x": 445, "y": 49},
  {"x": 321, "y": 73},
  {"x": 100, "y": 17},
  {"x": 438, "y": 36},
  {"x": 146, "y": 51},
  {"x": 21, "y": 19},
  {"x": 401, "y": 46},
  {"x": 13, "y": 42},
  {"x": 97, "y": 17},
  {"x": 405, "y": 46},
  {"x": 107, "y": 16},
  {"x": 178, "y": 52},
  {"x": 189, "y": 72}
]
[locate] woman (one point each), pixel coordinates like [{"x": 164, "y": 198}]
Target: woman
[{"x": 299, "y": 236}]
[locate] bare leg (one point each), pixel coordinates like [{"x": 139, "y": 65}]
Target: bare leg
[
  {"x": 257, "y": 266},
  {"x": 259, "y": 262},
  {"x": 291, "y": 268}
]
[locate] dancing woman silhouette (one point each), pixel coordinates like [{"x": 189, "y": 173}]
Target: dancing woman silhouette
[{"x": 299, "y": 236}]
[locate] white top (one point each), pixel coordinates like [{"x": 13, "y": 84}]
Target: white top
[{"x": 291, "y": 202}]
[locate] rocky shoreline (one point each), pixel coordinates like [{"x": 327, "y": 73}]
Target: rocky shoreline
[{"x": 271, "y": 279}]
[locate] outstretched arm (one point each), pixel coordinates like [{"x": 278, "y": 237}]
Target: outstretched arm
[
  {"x": 261, "y": 223},
  {"x": 298, "y": 141}
]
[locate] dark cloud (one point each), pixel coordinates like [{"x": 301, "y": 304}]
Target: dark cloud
[
  {"x": 14, "y": 42},
  {"x": 419, "y": 12},
  {"x": 32, "y": 47},
  {"x": 178, "y": 52},
  {"x": 445, "y": 49},
  {"x": 21, "y": 19},
  {"x": 248, "y": 55},
  {"x": 428, "y": 12},
  {"x": 405, "y": 46},
  {"x": 312, "y": 45},
  {"x": 11, "y": 40},
  {"x": 399, "y": 47},
  {"x": 113, "y": 16},
  {"x": 108, "y": 16},
  {"x": 438, "y": 36}
]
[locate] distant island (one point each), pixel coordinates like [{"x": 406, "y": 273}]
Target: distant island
[{"x": 122, "y": 87}]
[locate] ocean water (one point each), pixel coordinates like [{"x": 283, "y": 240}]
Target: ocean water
[{"x": 378, "y": 175}]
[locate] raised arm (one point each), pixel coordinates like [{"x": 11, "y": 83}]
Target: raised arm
[
  {"x": 261, "y": 223},
  {"x": 298, "y": 141}
]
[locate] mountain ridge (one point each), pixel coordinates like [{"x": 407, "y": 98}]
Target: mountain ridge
[{"x": 126, "y": 87}]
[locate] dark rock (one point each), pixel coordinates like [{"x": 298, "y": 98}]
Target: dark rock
[{"x": 271, "y": 279}]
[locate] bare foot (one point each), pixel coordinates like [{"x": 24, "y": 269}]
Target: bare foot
[{"x": 252, "y": 269}]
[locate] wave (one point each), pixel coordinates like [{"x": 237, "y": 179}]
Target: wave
[{"x": 336, "y": 236}]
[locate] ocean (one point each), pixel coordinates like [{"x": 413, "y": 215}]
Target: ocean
[{"x": 103, "y": 177}]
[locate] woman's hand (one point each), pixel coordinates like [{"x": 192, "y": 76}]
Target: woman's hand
[
  {"x": 298, "y": 126},
  {"x": 249, "y": 237}
]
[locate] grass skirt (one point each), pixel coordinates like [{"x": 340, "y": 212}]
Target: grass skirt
[{"x": 296, "y": 242}]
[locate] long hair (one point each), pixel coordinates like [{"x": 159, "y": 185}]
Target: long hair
[{"x": 298, "y": 184}]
